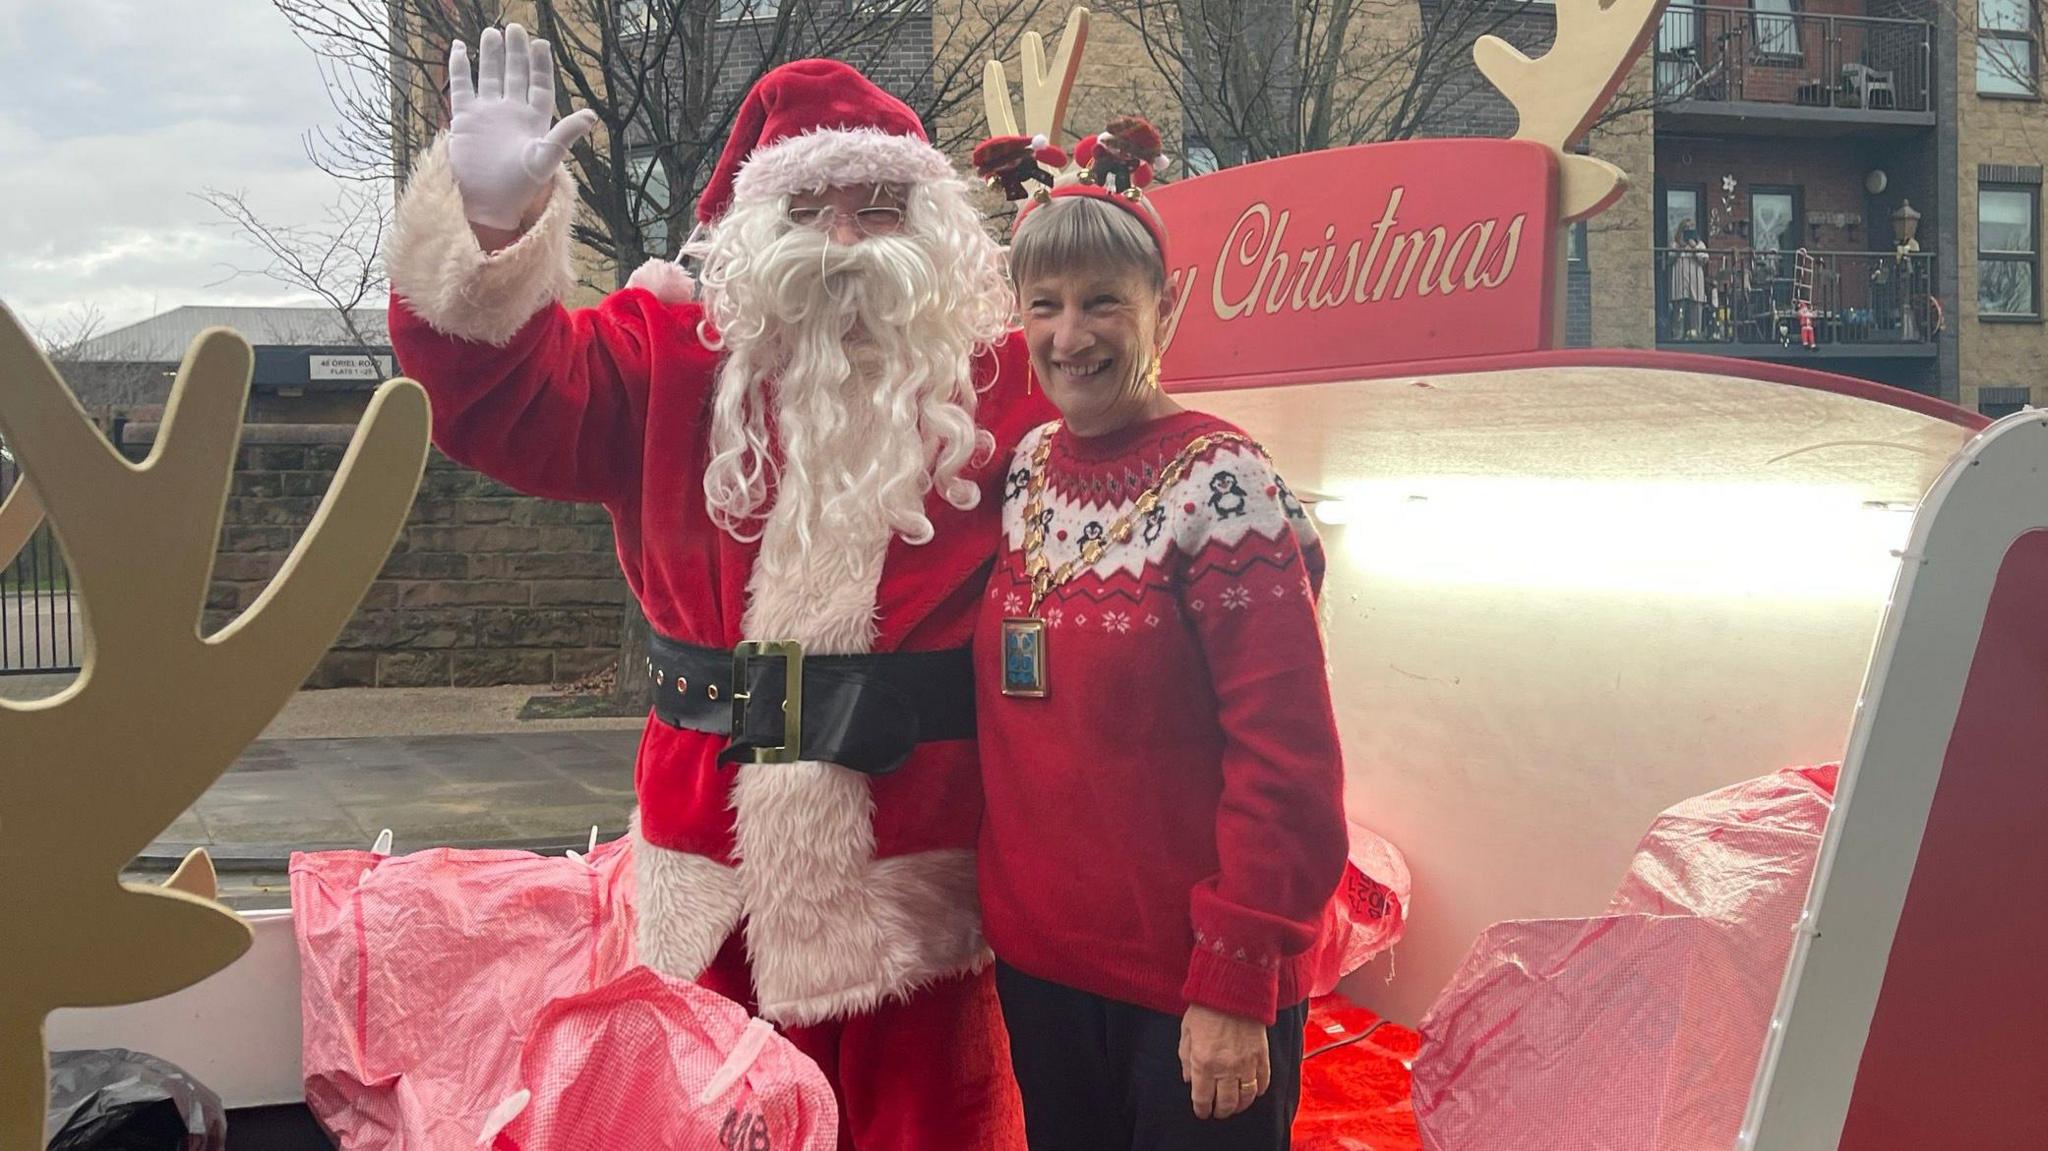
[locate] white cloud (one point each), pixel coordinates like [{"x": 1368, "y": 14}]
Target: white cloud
[{"x": 114, "y": 115}]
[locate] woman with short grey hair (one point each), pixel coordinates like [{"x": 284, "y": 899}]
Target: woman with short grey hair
[{"x": 1164, "y": 821}]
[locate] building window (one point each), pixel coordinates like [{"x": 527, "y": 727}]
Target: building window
[
  {"x": 2005, "y": 47},
  {"x": 1681, "y": 207},
  {"x": 634, "y": 17},
  {"x": 1998, "y": 402},
  {"x": 1774, "y": 219},
  {"x": 1777, "y": 29},
  {"x": 748, "y": 9},
  {"x": 1575, "y": 243},
  {"x": 1201, "y": 158},
  {"x": 648, "y": 195},
  {"x": 2008, "y": 250},
  {"x": 1679, "y": 73}
]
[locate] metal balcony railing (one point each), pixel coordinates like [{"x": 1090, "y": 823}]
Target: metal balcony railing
[
  {"x": 1742, "y": 296},
  {"x": 1717, "y": 54}
]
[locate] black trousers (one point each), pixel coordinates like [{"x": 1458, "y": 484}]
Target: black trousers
[{"x": 1099, "y": 1075}]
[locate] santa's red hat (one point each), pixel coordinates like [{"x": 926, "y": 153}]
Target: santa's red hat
[{"x": 817, "y": 124}]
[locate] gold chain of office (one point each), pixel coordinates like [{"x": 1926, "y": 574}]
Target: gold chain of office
[{"x": 1043, "y": 576}]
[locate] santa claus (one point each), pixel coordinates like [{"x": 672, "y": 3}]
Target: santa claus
[{"x": 802, "y": 467}]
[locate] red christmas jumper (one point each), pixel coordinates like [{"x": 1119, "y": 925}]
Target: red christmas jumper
[{"x": 1166, "y": 825}]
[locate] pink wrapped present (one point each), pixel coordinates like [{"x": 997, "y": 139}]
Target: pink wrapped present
[
  {"x": 422, "y": 974},
  {"x": 1638, "y": 1030},
  {"x": 649, "y": 1063},
  {"x": 1368, "y": 913}
]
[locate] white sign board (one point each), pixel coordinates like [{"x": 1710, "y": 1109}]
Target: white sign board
[{"x": 351, "y": 366}]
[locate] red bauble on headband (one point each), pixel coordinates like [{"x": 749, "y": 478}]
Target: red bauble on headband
[{"x": 1116, "y": 166}]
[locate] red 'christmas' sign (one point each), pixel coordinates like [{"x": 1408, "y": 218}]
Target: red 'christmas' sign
[{"x": 1376, "y": 254}]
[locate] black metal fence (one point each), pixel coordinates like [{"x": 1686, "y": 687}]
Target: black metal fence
[{"x": 41, "y": 627}]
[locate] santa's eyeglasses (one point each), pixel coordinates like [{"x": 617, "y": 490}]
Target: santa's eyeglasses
[{"x": 874, "y": 220}]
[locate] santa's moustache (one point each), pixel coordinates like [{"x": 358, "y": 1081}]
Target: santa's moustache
[{"x": 866, "y": 369}]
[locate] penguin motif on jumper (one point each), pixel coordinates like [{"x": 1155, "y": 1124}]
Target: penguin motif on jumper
[
  {"x": 1155, "y": 522},
  {"x": 1288, "y": 503},
  {"x": 1226, "y": 498}
]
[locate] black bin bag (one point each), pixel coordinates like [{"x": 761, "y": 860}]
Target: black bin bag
[{"x": 116, "y": 1100}]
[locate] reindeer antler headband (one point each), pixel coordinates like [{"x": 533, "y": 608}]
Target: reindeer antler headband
[{"x": 1116, "y": 165}]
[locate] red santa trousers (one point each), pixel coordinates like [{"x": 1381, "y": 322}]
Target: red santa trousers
[{"x": 927, "y": 1073}]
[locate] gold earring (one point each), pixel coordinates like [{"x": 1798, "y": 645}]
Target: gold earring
[{"x": 1152, "y": 373}]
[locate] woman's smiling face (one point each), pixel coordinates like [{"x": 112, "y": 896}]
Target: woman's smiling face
[{"x": 1092, "y": 336}]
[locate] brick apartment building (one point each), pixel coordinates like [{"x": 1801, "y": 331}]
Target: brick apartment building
[
  {"x": 1844, "y": 128},
  {"x": 1869, "y": 134}
]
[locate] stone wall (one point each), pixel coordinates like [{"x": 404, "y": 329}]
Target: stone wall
[
  {"x": 484, "y": 586},
  {"x": 1618, "y": 241}
]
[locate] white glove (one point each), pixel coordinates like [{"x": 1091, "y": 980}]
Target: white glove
[{"x": 499, "y": 144}]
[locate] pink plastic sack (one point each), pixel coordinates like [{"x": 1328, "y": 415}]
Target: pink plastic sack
[
  {"x": 1368, "y": 914},
  {"x": 648, "y": 1063},
  {"x": 422, "y": 974},
  {"x": 1638, "y": 1030}
]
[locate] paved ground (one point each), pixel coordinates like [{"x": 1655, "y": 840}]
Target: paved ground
[
  {"x": 541, "y": 791},
  {"x": 345, "y": 712},
  {"x": 440, "y": 767},
  {"x": 430, "y": 791}
]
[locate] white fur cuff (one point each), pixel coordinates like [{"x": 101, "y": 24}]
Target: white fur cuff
[
  {"x": 916, "y": 921},
  {"x": 685, "y": 906},
  {"x": 448, "y": 281},
  {"x": 837, "y": 158}
]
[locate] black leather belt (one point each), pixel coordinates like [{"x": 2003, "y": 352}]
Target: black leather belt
[{"x": 865, "y": 712}]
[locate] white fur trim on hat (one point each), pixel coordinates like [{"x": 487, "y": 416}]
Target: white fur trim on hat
[
  {"x": 836, "y": 158},
  {"x": 447, "y": 280}
]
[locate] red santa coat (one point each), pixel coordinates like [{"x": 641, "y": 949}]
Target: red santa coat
[{"x": 851, "y": 888}]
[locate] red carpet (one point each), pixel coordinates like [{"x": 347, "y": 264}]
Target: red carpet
[{"x": 1354, "y": 1091}]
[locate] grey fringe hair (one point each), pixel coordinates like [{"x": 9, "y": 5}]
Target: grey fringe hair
[{"x": 1074, "y": 232}]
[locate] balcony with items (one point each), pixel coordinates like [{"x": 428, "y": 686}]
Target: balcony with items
[
  {"x": 1777, "y": 305},
  {"x": 1770, "y": 70}
]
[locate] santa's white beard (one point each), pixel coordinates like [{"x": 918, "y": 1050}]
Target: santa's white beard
[{"x": 860, "y": 359}]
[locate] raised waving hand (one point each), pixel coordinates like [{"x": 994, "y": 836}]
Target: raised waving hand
[{"x": 501, "y": 144}]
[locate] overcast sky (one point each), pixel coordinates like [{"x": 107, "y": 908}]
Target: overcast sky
[{"x": 113, "y": 115}]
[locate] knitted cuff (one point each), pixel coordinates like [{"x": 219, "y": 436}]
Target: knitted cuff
[{"x": 1233, "y": 986}]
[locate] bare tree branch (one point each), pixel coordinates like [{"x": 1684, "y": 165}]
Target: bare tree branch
[
  {"x": 1257, "y": 79},
  {"x": 339, "y": 261},
  {"x": 64, "y": 338},
  {"x": 665, "y": 78},
  {"x": 2004, "y": 39}
]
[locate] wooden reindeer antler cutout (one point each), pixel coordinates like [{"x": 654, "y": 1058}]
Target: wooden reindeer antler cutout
[
  {"x": 21, "y": 513},
  {"x": 89, "y": 776},
  {"x": 1045, "y": 89},
  {"x": 1560, "y": 95}
]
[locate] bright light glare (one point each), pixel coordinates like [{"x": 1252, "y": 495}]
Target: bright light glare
[{"x": 1803, "y": 541}]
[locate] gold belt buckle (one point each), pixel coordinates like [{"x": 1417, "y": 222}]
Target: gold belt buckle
[{"x": 792, "y": 654}]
